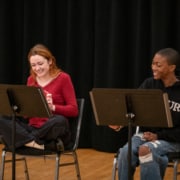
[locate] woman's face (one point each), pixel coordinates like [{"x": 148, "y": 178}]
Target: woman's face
[{"x": 40, "y": 65}]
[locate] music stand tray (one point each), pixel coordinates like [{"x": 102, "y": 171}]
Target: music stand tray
[
  {"x": 149, "y": 106},
  {"x": 29, "y": 101}
]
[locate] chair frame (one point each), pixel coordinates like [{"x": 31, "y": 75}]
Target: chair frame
[
  {"x": 57, "y": 155},
  {"x": 174, "y": 161}
]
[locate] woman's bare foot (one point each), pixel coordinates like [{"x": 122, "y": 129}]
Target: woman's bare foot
[{"x": 33, "y": 144}]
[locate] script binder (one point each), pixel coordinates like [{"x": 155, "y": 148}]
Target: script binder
[{"x": 149, "y": 106}]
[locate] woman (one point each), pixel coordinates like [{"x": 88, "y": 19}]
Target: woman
[{"x": 44, "y": 133}]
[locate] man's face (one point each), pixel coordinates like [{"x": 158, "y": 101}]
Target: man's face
[{"x": 160, "y": 67}]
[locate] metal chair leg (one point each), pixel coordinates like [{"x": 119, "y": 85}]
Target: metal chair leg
[
  {"x": 175, "y": 168},
  {"x": 114, "y": 169},
  {"x": 76, "y": 165},
  {"x": 56, "y": 177},
  {"x": 26, "y": 168},
  {"x": 2, "y": 165}
]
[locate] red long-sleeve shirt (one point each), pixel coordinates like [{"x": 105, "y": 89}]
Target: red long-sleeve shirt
[{"x": 63, "y": 96}]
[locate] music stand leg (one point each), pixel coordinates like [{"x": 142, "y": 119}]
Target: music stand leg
[
  {"x": 13, "y": 147},
  {"x": 130, "y": 117}
]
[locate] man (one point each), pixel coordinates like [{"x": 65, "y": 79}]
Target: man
[{"x": 150, "y": 146}]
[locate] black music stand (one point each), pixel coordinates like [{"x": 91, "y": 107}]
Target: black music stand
[
  {"x": 131, "y": 107},
  {"x": 22, "y": 100}
]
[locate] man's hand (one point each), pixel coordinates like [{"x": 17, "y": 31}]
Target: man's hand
[{"x": 149, "y": 136}]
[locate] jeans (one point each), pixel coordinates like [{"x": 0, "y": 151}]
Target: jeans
[{"x": 154, "y": 167}]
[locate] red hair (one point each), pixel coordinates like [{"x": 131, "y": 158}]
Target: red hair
[{"x": 40, "y": 49}]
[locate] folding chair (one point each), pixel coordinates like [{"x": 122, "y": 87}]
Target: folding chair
[{"x": 75, "y": 126}]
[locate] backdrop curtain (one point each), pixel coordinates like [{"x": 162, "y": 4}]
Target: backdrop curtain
[{"x": 100, "y": 43}]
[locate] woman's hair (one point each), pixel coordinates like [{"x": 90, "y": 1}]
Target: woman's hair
[{"x": 42, "y": 50}]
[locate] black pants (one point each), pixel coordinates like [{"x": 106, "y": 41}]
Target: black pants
[{"x": 56, "y": 127}]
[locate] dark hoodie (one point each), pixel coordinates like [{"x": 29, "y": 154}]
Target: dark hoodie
[{"x": 168, "y": 134}]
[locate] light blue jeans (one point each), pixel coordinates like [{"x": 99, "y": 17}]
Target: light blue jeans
[{"x": 154, "y": 168}]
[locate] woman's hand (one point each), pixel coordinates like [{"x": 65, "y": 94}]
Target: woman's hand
[
  {"x": 50, "y": 101},
  {"x": 116, "y": 127}
]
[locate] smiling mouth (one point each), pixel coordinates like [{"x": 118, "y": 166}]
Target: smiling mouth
[{"x": 155, "y": 73}]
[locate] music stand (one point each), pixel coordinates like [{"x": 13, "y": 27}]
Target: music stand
[
  {"x": 22, "y": 100},
  {"x": 131, "y": 107}
]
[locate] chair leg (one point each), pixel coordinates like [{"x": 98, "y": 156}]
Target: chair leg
[
  {"x": 2, "y": 165},
  {"x": 77, "y": 165},
  {"x": 3, "y": 161},
  {"x": 56, "y": 177},
  {"x": 114, "y": 168},
  {"x": 25, "y": 168},
  {"x": 175, "y": 169}
]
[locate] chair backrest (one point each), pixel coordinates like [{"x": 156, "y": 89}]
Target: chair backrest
[{"x": 75, "y": 125}]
